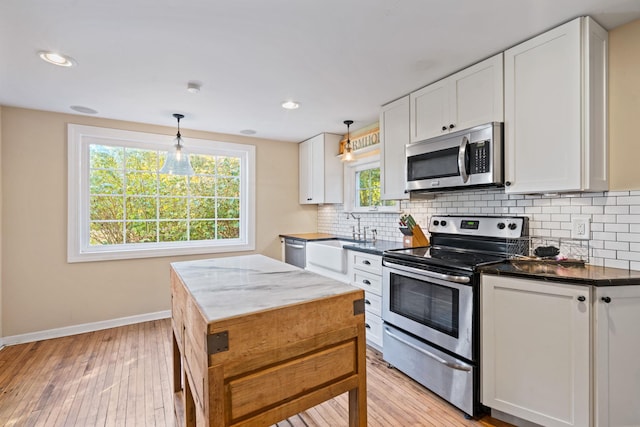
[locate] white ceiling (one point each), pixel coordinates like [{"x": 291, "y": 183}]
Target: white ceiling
[{"x": 341, "y": 59}]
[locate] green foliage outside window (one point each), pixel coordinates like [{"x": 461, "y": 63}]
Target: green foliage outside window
[
  {"x": 368, "y": 188},
  {"x": 130, "y": 202}
]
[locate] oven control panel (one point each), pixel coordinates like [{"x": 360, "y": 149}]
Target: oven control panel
[{"x": 485, "y": 226}]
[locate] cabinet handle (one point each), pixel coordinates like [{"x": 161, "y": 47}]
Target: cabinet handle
[
  {"x": 444, "y": 128},
  {"x": 366, "y": 325},
  {"x": 366, "y": 301},
  {"x": 365, "y": 262},
  {"x": 507, "y": 184},
  {"x": 451, "y": 126},
  {"x": 366, "y": 282},
  {"x": 309, "y": 198},
  {"x": 606, "y": 300},
  {"x": 581, "y": 298}
]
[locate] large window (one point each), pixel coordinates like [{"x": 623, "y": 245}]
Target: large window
[{"x": 120, "y": 206}]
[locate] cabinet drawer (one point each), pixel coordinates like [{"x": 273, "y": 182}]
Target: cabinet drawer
[
  {"x": 372, "y": 303},
  {"x": 367, "y": 281},
  {"x": 373, "y": 324},
  {"x": 367, "y": 262}
]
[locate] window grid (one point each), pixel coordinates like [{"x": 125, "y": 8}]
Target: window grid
[
  {"x": 216, "y": 198},
  {"x": 368, "y": 189}
]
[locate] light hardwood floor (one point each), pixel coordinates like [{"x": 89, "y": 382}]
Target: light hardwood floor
[{"x": 121, "y": 377}]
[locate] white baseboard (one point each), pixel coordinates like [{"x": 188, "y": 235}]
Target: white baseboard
[{"x": 81, "y": 329}]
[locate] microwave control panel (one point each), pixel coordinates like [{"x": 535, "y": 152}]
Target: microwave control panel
[{"x": 479, "y": 157}]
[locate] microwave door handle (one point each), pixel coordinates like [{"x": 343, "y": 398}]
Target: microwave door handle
[{"x": 462, "y": 159}]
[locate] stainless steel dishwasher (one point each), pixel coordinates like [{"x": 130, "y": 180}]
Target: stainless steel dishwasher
[{"x": 295, "y": 252}]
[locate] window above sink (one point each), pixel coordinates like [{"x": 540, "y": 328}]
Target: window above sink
[{"x": 362, "y": 186}]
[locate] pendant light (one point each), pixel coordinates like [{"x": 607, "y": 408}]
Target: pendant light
[
  {"x": 177, "y": 162},
  {"x": 347, "y": 155}
]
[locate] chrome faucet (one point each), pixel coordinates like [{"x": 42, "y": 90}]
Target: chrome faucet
[{"x": 353, "y": 228}]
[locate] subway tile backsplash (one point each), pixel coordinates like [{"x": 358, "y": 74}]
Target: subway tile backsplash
[{"x": 615, "y": 218}]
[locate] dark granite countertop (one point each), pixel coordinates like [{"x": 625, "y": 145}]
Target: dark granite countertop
[
  {"x": 375, "y": 248},
  {"x": 569, "y": 273}
]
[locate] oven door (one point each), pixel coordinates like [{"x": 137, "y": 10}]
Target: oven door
[{"x": 431, "y": 306}]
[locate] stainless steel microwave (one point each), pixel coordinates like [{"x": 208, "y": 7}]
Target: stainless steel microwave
[{"x": 466, "y": 158}]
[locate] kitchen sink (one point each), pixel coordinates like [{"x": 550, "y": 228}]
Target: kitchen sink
[
  {"x": 332, "y": 243},
  {"x": 328, "y": 254}
]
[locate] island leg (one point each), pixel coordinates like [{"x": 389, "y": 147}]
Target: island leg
[{"x": 358, "y": 395}]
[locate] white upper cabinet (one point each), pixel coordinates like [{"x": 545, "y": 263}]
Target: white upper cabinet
[
  {"x": 555, "y": 111},
  {"x": 320, "y": 170},
  {"x": 429, "y": 112},
  {"x": 394, "y": 135},
  {"x": 468, "y": 98}
]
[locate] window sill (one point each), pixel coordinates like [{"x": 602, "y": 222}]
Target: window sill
[{"x": 108, "y": 254}]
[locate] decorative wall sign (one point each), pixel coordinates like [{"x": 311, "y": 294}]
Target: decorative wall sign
[{"x": 365, "y": 137}]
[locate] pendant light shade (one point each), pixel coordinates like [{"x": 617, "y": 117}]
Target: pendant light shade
[
  {"x": 347, "y": 155},
  {"x": 177, "y": 161}
]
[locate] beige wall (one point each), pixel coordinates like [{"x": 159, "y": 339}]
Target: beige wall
[
  {"x": 624, "y": 106},
  {"x": 1, "y": 335},
  {"x": 40, "y": 290}
]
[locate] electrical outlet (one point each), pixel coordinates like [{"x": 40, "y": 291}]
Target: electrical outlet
[{"x": 581, "y": 227}]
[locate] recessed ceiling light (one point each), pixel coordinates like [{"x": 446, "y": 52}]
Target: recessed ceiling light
[
  {"x": 84, "y": 110},
  {"x": 248, "y": 132},
  {"x": 193, "y": 87},
  {"x": 57, "y": 59},
  {"x": 290, "y": 105}
]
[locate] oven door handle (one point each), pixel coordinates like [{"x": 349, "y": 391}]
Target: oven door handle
[
  {"x": 428, "y": 353},
  {"x": 441, "y": 276}
]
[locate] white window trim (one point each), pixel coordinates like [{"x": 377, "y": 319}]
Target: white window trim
[
  {"x": 78, "y": 248},
  {"x": 350, "y": 170}
]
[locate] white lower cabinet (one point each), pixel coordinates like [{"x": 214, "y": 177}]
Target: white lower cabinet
[
  {"x": 365, "y": 272},
  {"x": 551, "y": 358},
  {"x": 617, "y": 343},
  {"x": 535, "y": 350}
]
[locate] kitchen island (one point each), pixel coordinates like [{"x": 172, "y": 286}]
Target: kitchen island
[{"x": 256, "y": 341}]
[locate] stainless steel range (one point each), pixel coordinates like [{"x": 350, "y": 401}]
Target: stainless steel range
[{"x": 431, "y": 302}]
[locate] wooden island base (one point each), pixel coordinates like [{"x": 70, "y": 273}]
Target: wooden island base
[{"x": 267, "y": 365}]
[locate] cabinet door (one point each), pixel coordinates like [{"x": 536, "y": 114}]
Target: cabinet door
[
  {"x": 394, "y": 135},
  {"x": 543, "y": 112},
  {"x": 305, "y": 172},
  {"x": 477, "y": 94},
  {"x": 595, "y": 123},
  {"x": 535, "y": 350},
  {"x": 311, "y": 170},
  {"x": 429, "y": 111},
  {"x": 305, "y": 180},
  {"x": 617, "y": 343},
  {"x": 333, "y": 170}
]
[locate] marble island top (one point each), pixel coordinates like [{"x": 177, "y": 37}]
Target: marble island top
[{"x": 235, "y": 286}]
